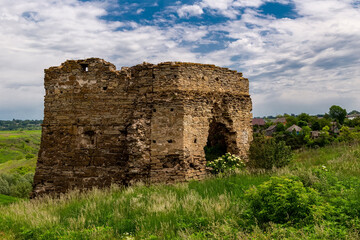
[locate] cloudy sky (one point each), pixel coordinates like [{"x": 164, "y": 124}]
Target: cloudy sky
[{"x": 299, "y": 55}]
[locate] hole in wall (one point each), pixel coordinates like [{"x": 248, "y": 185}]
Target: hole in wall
[
  {"x": 217, "y": 142},
  {"x": 153, "y": 75},
  {"x": 89, "y": 133},
  {"x": 154, "y": 110},
  {"x": 154, "y": 141},
  {"x": 192, "y": 165},
  {"x": 195, "y": 140},
  {"x": 171, "y": 109},
  {"x": 85, "y": 67},
  {"x": 170, "y": 141},
  {"x": 104, "y": 88}
]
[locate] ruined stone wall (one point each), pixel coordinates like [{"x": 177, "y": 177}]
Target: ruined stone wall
[{"x": 148, "y": 122}]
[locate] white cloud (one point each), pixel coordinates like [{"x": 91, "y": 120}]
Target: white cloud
[
  {"x": 38, "y": 34},
  {"x": 248, "y": 3},
  {"x": 140, "y": 10},
  {"x": 227, "y": 8},
  {"x": 217, "y": 4},
  {"x": 190, "y": 11},
  {"x": 302, "y": 62},
  {"x": 296, "y": 65}
]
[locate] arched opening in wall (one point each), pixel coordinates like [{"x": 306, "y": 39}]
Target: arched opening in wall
[{"x": 217, "y": 142}]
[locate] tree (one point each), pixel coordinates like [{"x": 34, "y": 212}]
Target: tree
[
  {"x": 337, "y": 113},
  {"x": 267, "y": 153},
  {"x": 304, "y": 117},
  {"x": 354, "y": 112},
  {"x": 290, "y": 120},
  {"x": 280, "y": 127},
  {"x": 302, "y": 123}
]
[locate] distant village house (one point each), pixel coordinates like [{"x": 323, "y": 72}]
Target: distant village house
[
  {"x": 352, "y": 116},
  {"x": 280, "y": 120},
  {"x": 258, "y": 122},
  {"x": 295, "y": 128}
]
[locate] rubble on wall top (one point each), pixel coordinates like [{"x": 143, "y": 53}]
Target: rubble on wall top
[{"x": 144, "y": 64}]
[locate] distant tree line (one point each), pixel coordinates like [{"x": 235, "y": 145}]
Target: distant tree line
[
  {"x": 15, "y": 124},
  {"x": 315, "y": 131}
]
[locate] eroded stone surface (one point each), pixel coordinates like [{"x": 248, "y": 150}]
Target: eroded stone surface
[{"x": 144, "y": 123}]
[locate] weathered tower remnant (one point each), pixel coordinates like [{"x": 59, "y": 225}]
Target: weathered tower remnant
[{"x": 144, "y": 123}]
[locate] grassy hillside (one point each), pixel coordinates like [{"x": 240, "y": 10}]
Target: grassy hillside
[
  {"x": 18, "y": 149},
  {"x": 319, "y": 197},
  {"x": 18, "y": 154}
]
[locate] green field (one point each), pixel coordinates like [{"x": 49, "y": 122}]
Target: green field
[
  {"x": 18, "y": 155},
  {"x": 322, "y": 201},
  {"x": 19, "y": 149}
]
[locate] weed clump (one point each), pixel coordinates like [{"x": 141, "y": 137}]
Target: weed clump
[{"x": 283, "y": 200}]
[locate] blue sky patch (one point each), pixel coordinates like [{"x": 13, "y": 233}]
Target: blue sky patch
[{"x": 279, "y": 10}]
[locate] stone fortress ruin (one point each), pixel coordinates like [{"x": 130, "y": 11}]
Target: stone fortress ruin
[{"x": 144, "y": 123}]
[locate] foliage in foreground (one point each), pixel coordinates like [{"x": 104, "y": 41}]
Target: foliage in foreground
[
  {"x": 283, "y": 200},
  {"x": 217, "y": 208}
]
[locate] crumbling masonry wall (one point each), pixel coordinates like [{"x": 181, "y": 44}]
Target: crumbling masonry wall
[{"x": 144, "y": 123}]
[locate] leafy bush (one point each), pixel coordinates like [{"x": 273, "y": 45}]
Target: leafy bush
[
  {"x": 342, "y": 195},
  {"x": 226, "y": 162},
  {"x": 267, "y": 153},
  {"x": 21, "y": 190},
  {"x": 4, "y": 187},
  {"x": 283, "y": 200},
  {"x": 16, "y": 185}
]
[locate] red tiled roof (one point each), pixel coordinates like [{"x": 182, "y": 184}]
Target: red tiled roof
[{"x": 258, "y": 121}]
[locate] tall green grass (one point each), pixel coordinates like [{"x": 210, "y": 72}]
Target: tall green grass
[{"x": 216, "y": 208}]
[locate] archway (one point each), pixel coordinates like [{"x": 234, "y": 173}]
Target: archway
[{"x": 217, "y": 142}]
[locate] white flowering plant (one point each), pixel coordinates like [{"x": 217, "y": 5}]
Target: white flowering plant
[{"x": 227, "y": 162}]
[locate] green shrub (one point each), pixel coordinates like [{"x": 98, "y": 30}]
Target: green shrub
[
  {"x": 267, "y": 153},
  {"x": 282, "y": 200},
  {"x": 4, "y": 186},
  {"x": 16, "y": 185},
  {"x": 225, "y": 163},
  {"x": 21, "y": 190}
]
